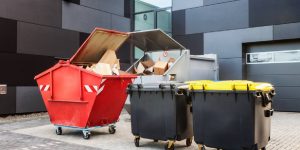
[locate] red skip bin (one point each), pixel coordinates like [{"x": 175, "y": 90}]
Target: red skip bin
[{"x": 79, "y": 98}]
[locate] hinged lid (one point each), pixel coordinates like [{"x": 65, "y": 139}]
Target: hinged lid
[
  {"x": 97, "y": 43},
  {"x": 154, "y": 40},
  {"x": 231, "y": 85}
]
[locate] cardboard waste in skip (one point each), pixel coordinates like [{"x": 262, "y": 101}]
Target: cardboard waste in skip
[
  {"x": 140, "y": 68},
  {"x": 109, "y": 64},
  {"x": 160, "y": 67},
  {"x": 148, "y": 63},
  {"x": 109, "y": 57},
  {"x": 101, "y": 68}
]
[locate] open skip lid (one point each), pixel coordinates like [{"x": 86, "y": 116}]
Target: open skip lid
[
  {"x": 101, "y": 40},
  {"x": 154, "y": 40},
  {"x": 97, "y": 43}
]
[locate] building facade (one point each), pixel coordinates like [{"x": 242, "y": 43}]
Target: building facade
[
  {"x": 254, "y": 39},
  {"x": 33, "y": 33}
]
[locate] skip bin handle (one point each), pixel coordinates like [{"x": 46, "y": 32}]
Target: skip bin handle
[
  {"x": 51, "y": 85},
  {"x": 269, "y": 113},
  {"x": 80, "y": 87}
]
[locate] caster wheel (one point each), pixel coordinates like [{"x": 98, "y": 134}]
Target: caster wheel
[
  {"x": 86, "y": 135},
  {"x": 201, "y": 147},
  {"x": 137, "y": 142},
  {"x": 189, "y": 142},
  {"x": 155, "y": 140},
  {"x": 112, "y": 129},
  {"x": 58, "y": 131},
  {"x": 169, "y": 147}
]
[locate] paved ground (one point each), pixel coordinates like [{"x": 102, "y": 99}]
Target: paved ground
[{"x": 38, "y": 134}]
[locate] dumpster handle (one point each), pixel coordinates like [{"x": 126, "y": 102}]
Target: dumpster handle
[
  {"x": 80, "y": 87},
  {"x": 51, "y": 86}
]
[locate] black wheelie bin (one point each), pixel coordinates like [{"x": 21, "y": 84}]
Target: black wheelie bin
[
  {"x": 160, "y": 112},
  {"x": 234, "y": 115}
]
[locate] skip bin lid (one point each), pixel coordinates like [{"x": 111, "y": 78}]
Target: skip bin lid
[
  {"x": 153, "y": 40},
  {"x": 97, "y": 43},
  {"x": 231, "y": 85}
]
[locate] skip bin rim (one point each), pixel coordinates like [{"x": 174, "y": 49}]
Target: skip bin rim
[
  {"x": 65, "y": 65},
  {"x": 84, "y": 70}
]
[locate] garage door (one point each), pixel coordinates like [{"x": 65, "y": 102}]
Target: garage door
[{"x": 279, "y": 64}]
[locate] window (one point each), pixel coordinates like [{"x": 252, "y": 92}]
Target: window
[
  {"x": 146, "y": 5},
  {"x": 152, "y": 14},
  {"x": 288, "y": 56}
]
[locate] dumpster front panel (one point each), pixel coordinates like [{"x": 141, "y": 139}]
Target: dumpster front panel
[
  {"x": 110, "y": 100},
  {"x": 160, "y": 114},
  {"x": 69, "y": 94},
  {"x": 230, "y": 120}
]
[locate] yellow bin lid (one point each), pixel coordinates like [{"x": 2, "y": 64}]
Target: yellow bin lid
[{"x": 230, "y": 85}]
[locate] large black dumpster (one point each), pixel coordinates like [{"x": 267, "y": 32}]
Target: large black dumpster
[
  {"x": 160, "y": 112},
  {"x": 232, "y": 115}
]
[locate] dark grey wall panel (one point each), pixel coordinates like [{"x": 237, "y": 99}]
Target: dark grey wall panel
[
  {"x": 211, "y": 2},
  {"x": 228, "y": 44},
  {"x": 83, "y": 19},
  {"x": 286, "y": 104},
  {"x": 29, "y": 99},
  {"x": 231, "y": 69},
  {"x": 287, "y": 31},
  {"x": 46, "y": 12},
  {"x": 42, "y": 40},
  {"x": 124, "y": 53},
  {"x": 111, "y": 6},
  {"x": 21, "y": 69},
  {"x": 180, "y": 4},
  {"x": 287, "y": 92},
  {"x": 277, "y": 80},
  {"x": 194, "y": 42},
  {"x": 213, "y": 17},
  {"x": 73, "y": 1},
  {"x": 128, "y": 7},
  {"x": 120, "y": 23},
  {"x": 273, "y": 46},
  {"x": 178, "y": 22},
  {"x": 125, "y": 66},
  {"x": 82, "y": 37},
  {"x": 8, "y": 35},
  {"x": 268, "y": 12},
  {"x": 278, "y": 69},
  {"x": 8, "y": 101}
]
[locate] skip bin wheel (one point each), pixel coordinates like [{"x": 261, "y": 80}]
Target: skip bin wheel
[
  {"x": 137, "y": 141},
  {"x": 170, "y": 146},
  {"x": 58, "y": 131},
  {"x": 86, "y": 135},
  {"x": 189, "y": 142},
  {"x": 201, "y": 147},
  {"x": 112, "y": 129}
]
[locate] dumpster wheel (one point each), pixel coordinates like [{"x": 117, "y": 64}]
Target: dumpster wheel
[
  {"x": 170, "y": 145},
  {"x": 137, "y": 141},
  {"x": 58, "y": 131},
  {"x": 201, "y": 147},
  {"x": 189, "y": 141},
  {"x": 86, "y": 135},
  {"x": 112, "y": 129}
]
